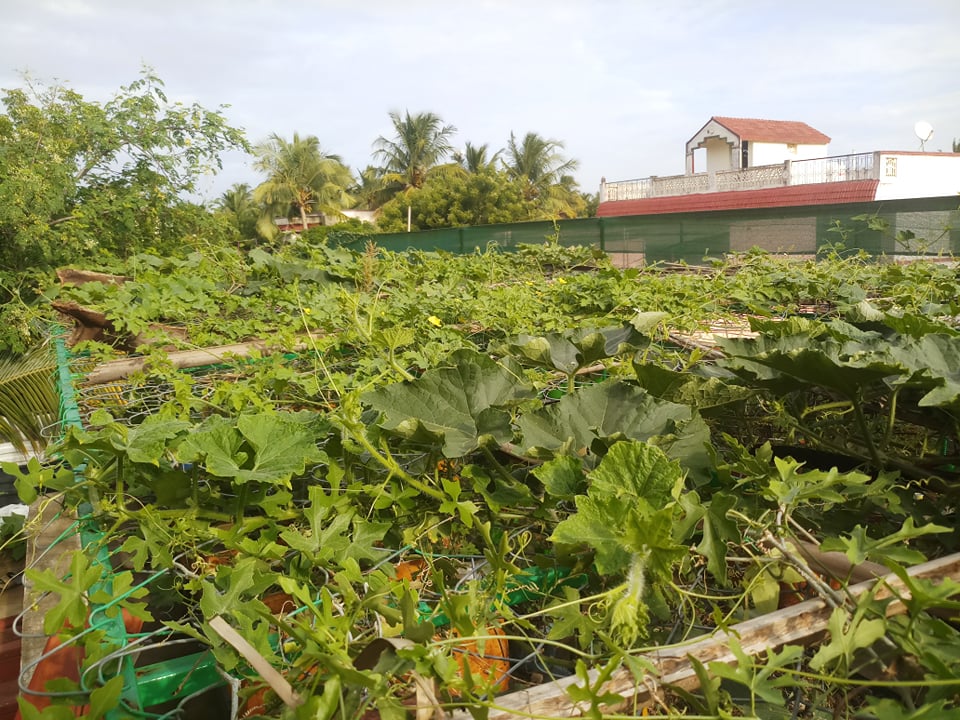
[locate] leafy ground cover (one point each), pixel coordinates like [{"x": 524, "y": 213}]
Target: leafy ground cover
[{"x": 525, "y": 466}]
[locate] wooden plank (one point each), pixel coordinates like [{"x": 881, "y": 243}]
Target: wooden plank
[
  {"x": 797, "y": 624},
  {"x": 119, "y": 369},
  {"x": 70, "y": 276}
]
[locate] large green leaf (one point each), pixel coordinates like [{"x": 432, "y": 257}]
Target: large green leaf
[
  {"x": 266, "y": 448},
  {"x": 934, "y": 364},
  {"x": 615, "y": 409},
  {"x": 629, "y": 489},
  {"x": 687, "y": 388},
  {"x": 783, "y": 364},
  {"x": 148, "y": 441},
  {"x": 457, "y": 406},
  {"x": 574, "y": 349}
]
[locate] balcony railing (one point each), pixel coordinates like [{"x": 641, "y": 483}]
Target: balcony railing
[{"x": 840, "y": 168}]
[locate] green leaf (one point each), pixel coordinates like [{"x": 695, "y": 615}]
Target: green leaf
[
  {"x": 572, "y": 350},
  {"x": 72, "y": 607},
  {"x": 457, "y": 406},
  {"x": 859, "y": 546},
  {"x": 148, "y": 441},
  {"x": 562, "y": 477},
  {"x": 847, "y": 635},
  {"x": 764, "y": 589},
  {"x": 887, "y": 709},
  {"x": 28, "y": 397},
  {"x": 934, "y": 364},
  {"x": 685, "y": 388},
  {"x": 612, "y": 409},
  {"x": 716, "y": 531},
  {"x": 762, "y": 680},
  {"x": 105, "y": 698},
  {"x": 240, "y": 580},
  {"x": 645, "y": 322},
  {"x": 265, "y": 448},
  {"x": 549, "y": 351},
  {"x": 781, "y": 363},
  {"x": 570, "y": 620},
  {"x": 28, "y": 711},
  {"x": 636, "y": 470},
  {"x": 792, "y": 487},
  {"x": 496, "y": 490},
  {"x": 924, "y": 594},
  {"x": 619, "y": 517}
]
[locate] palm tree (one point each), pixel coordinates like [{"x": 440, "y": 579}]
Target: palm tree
[
  {"x": 421, "y": 143},
  {"x": 474, "y": 158},
  {"x": 419, "y": 147},
  {"x": 370, "y": 191},
  {"x": 28, "y": 398},
  {"x": 237, "y": 202},
  {"x": 300, "y": 177},
  {"x": 540, "y": 164}
]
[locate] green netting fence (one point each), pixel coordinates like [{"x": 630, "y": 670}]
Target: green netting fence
[{"x": 922, "y": 226}]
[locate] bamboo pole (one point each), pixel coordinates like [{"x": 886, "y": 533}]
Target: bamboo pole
[
  {"x": 119, "y": 369},
  {"x": 801, "y": 623}
]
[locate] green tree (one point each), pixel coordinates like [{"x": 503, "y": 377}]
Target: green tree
[
  {"x": 301, "y": 178},
  {"x": 478, "y": 198},
  {"x": 370, "y": 191},
  {"x": 238, "y": 205},
  {"x": 420, "y": 144},
  {"x": 82, "y": 179},
  {"x": 476, "y": 158},
  {"x": 545, "y": 171}
]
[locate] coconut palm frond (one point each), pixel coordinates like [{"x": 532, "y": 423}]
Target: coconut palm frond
[{"x": 28, "y": 397}]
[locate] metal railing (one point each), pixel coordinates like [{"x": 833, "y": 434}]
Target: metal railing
[{"x": 839, "y": 168}]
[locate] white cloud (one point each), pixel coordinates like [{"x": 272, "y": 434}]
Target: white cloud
[{"x": 623, "y": 83}]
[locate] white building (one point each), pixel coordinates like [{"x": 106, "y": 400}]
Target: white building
[
  {"x": 774, "y": 163},
  {"x": 736, "y": 143}
]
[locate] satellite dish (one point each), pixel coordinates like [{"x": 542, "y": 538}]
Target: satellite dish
[{"x": 924, "y": 131}]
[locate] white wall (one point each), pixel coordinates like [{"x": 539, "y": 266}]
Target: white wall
[
  {"x": 719, "y": 156},
  {"x": 915, "y": 175},
  {"x": 776, "y": 153}
]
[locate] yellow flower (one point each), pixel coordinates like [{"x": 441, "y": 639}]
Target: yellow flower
[
  {"x": 435, "y": 321},
  {"x": 306, "y": 311},
  {"x": 561, "y": 281}
]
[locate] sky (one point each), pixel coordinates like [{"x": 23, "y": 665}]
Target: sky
[{"x": 622, "y": 84}]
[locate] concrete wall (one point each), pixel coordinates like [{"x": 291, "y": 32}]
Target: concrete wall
[
  {"x": 775, "y": 153},
  {"x": 918, "y": 175},
  {"x": 789, "y": 235},
  {"x": 719, "y": 155}
]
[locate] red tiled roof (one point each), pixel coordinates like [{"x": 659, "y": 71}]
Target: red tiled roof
[
  {"x": 834, "y": 193},
  {"x": 777, "y": 131}
]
